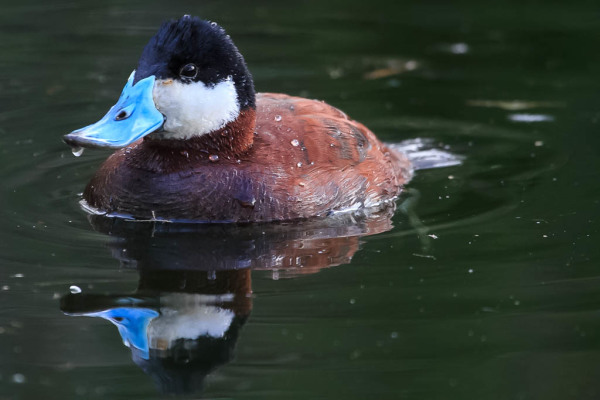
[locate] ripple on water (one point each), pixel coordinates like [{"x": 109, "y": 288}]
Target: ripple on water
[
  {"x": 497, "y": 163},
  {"x": 40, "y": 204}
]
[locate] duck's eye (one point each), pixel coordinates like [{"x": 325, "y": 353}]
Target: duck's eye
[
  {"x": 121, "y": 115},
  {"x": 188, "y": 71}
]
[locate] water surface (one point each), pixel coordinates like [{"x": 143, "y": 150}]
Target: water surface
[{"x": 481, "y": 284}]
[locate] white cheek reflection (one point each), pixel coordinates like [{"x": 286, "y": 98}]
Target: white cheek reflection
[
  {"x": 195, "y": 109},
  {"x": 188, "y": 317}
]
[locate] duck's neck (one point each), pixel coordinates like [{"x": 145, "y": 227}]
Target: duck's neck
[{"x": 228, "y": 143}]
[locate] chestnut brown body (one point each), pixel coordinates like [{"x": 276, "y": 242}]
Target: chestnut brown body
[{"x": 291, "y": 158}]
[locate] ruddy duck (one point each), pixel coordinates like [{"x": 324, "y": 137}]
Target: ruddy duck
[{"x": 197, "y": 143}]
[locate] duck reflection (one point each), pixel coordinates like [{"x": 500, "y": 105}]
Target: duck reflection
[
  {"x": 194, "y": 291},
  {"x": 179, "y": 325}
]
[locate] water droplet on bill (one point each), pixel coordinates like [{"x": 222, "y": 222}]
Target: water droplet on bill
[{"x": 77, "y": 151}]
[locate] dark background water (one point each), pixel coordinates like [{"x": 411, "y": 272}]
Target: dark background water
[{"x": 500, "y": 303}]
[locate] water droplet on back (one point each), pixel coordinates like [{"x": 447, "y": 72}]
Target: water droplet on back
[
  {"x": 278, "y": 118},
  {"x": 247, "y": 202},
  {"x": 213, "y": 158},
  {"x": 295, "y": 142},
  {"x": 299, "y": 164},
  {"x": 77, "y": 151}
]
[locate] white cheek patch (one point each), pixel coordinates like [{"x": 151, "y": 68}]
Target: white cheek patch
[{"x": 195, "y": 109}]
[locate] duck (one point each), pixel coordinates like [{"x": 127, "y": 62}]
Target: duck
[{"x": 195, "y": 142}]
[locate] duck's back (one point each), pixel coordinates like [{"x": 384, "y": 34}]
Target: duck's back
[{"x": 307, "y": 159}]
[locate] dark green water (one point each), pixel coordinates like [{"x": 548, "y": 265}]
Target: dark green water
[{"x": 485, "y": 288}]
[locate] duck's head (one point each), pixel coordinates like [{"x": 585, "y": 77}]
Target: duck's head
[{"x": 190, "y": 81}]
